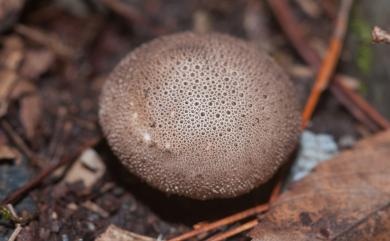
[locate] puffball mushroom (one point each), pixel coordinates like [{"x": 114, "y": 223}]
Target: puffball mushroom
[{"x": 200, "y": 115}]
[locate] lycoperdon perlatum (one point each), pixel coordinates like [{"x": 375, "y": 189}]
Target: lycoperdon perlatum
[{"x": 200, "y": 115}]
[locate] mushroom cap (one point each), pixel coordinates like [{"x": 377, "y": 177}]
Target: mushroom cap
[{"x": 200, "y": 115}]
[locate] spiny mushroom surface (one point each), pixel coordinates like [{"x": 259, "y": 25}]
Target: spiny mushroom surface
[{"x": 203, "y": 116}]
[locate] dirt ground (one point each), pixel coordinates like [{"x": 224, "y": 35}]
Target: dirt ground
[{"x": 61, "y": 51}]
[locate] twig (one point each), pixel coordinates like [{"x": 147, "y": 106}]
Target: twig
[
  {"x": 330, "y": 61},
  {"x": 50, "y": 41},
  {"x": 222, "y": 222},
  {"x": 57, "y": 132},
  {"x": 205, "y": 227},
  {"x": 329, "y": 7},
  {"x": 380, "y": 36},
  {"x": 35, "y": 160},
  {"x": 131, "y": 14},
  {"x": 298, "y": 39},
  {"x": 15, "y": 233},
  {"x": 18, "y": 228},
  {"x": 37, "y": 180},
  {"x": 276, "y": 192},
  {"x": 353, "y": 109},
  {"x": 285, "y": 17},
  {"x": 363, "y": 105},
  {"x": 234, "y": 231},
  {"x": 8, "y": 213},
  {"x": 126, "y": 10}
]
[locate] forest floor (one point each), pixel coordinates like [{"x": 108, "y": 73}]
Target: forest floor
[{"x": 55, "y": 55}]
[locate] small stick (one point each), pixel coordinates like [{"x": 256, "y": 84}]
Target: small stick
[
  {"x": 18, "y": 228},
  {"x": 131, "y": 14},
  {"x": 363, "y": 105},
  {"x": 330, "y": 8},
  {"x": 289, "y": 24},
  {"x": 59, "y": 127},
  {"x": 276, "y": 192},
  {"x": 330, "y": 61},
  {"x": 222, "y": 222},
  {"x": 52, "y": 42},
  {"x": 234, "y": 231},
  {"x": 6, "y": 126},
  {"x": 15, "y": 233},
  {"x": 297, "y": 37},
  {"x": 380, "y": 36},
  {"x": 8, "y": 213},
  {"x": 205, "y": 227},
  {"x": 35, "y": 181},
  {"x": 126, "y": 11},
  {"x": 354, "y": 110}
]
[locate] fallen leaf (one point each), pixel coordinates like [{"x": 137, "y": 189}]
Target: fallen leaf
[
  {"x": 36, "y": 62},
  {"x": 8, "y": 80},
  {"x": 114, "y": 233},
  {"x": 346, "y": 198},
  {"x": 9, "y": 12},
  {"x": 30, "y": 114},
  {"x": 30, "y": 106},
  {"x": 23, "y": 88},
  {"x": 310, "y": 7},
  {"x": 11, "y": 56},
  {"x": 12, "y": 53},
  {"x": 96, "y": 209},
  {"x": 8, "y": 153}
]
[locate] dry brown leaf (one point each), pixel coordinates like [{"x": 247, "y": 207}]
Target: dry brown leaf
[
  {"x": 8, "y": 153},
  {"x": 10, "y": 57},
  {"x": 30, "y": 106},
  {"x": 9, "y": 12},
  {"x": 30, "y": 114},
  {"x": 8, "y": 80},
  {"x": 114, "y": 233},
  {"x": 36, "y": 62},
  {"x": 12, "y": 52},
  {"x": 346, "y": 198}
]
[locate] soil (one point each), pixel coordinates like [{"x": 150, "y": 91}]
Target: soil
[{"x": 88, "y": 40}]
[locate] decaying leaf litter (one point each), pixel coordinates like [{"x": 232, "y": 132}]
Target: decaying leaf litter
[
  {"x": 53, "y": 74},
  {"x": 346, "y": 198}
]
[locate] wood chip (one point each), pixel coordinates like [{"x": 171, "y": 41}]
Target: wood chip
[
  {"x": 114, "y": 233},
  {"x": 380, "y": 36},
  {"x": 8, "y": 153},
  {"x": 89, "y": 168}
]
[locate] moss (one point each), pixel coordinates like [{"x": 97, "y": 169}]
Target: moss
[
  {"x": 361, "y": 31},
  {"x": 363, "y": 88}
]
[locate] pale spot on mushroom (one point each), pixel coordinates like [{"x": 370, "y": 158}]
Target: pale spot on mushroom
[
  {"x": 134, "y": 115},
  {"x": 167, "y": 145},
  {"x": 146, "y": 137},
  {"x": 208, "y": 146}
]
